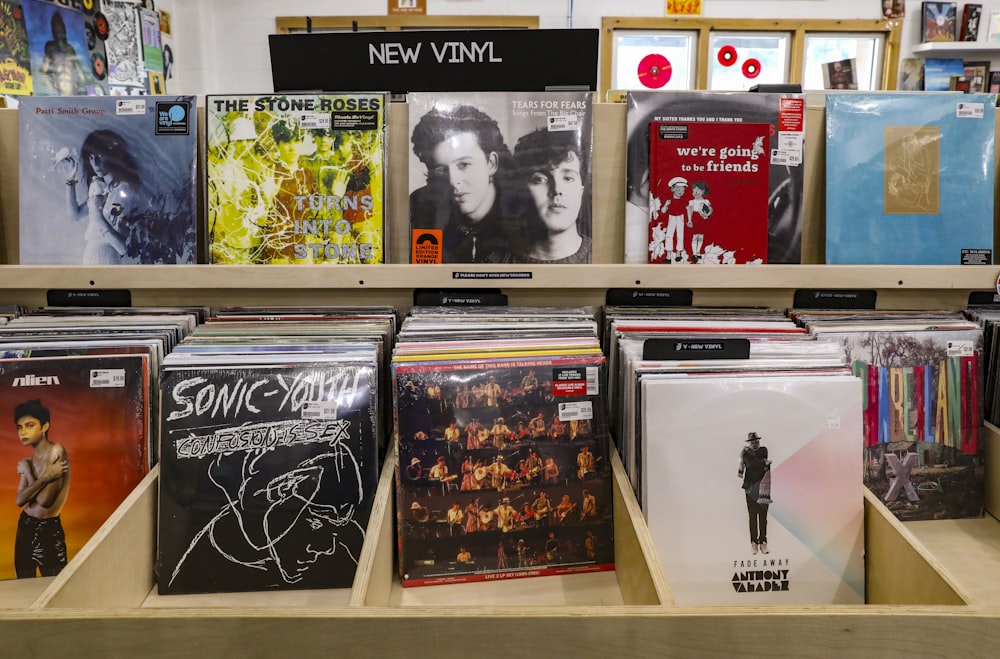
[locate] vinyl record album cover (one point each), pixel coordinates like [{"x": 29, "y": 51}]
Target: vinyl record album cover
[
  {"x": 786, "y": 115},
  {"x": 708, "y": 192},
  {"x": 267, "y": 476},
  {"x": 500, "y": 177},
  {"x": 107, "y": 180},
  {"x": 296, "y": 178},
  {"x": 61, "y": 60},
  {"x": 938, "y": 21},
  {"x": 79, "y": 438},
  {"x": 15, "y": 58},
  {"x": 503, "y": 469},
  {"x": 909, "y": 179},
  {"x": 922, "y": 418},
  {"x": 126, "y": 70},
  {"x": 754, "y": 488}
]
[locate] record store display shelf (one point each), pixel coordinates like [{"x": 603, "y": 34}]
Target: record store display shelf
[
  {"x": 932, "y": 590},
  {"x": 933, "y": 587}
]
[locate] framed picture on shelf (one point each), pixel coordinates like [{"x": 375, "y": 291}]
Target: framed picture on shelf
[
  {"x": 970, "y": 22},
  {"x": 938, "y": 21},
  {"x": 994, "y": 87},
  {"x": 994, "y": 31},
  {"x": 978, "y": 74}
]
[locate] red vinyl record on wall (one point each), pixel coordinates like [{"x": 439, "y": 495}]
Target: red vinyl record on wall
[
  {"x": 654, "y": 71},
  {"x": 727, "y": 56}
]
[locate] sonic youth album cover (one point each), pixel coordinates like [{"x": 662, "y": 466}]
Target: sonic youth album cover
[
  {"x": 107, "y": 180},
  {"x": 267, "y": 477},
  {"x": 500, "y": 177}
]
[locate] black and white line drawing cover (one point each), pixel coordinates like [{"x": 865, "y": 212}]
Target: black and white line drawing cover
[
  {"x": 107, "y": 180},
  {"x": 126, "y": 70},
  {"x": 267, "y": 476},
  {"x": 500, "y": 177}
]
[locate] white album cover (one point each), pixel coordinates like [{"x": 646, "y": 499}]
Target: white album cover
[{"x": 754, "y": 489}]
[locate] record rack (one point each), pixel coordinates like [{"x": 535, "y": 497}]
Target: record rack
[{"x": 933, "y": 588}]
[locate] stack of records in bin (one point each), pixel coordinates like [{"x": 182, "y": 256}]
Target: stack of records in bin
[
  {"x": 503, "y": 447},
  {"x": 921, "y": 378},
  {"x": 987, "y": 317},
  {"x": 80, "y": 386},
  {"x": 627, "y": 328},
  {"x": 270, "y": 430},
  {"x": 743, "y": 436}
]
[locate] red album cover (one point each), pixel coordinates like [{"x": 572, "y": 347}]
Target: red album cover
[
  {"x": 76, "y": 445},
  {"x": 708, "y": 188}
]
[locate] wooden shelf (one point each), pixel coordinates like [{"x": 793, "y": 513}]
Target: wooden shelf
[
  {"x": 103, "y": 604},
  {"x": 951, "y": 48}
]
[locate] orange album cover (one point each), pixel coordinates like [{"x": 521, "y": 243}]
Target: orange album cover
[{"x": 76, "y": 444}]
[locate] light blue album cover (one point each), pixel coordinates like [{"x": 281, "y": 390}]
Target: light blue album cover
[
  {"x": 107, "y": 180},
  {"x": 938, "y": 72},
  {"x": 909, "y": 178}
]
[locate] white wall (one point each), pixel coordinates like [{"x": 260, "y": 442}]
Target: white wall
[{"x": 221, "y": 45}]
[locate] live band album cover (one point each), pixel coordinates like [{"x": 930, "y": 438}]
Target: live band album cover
[
  {"x": 107, "y": 180},
  {"x": 267, "y": 476},
  {"x": 503, "y": 470},
  {"x": 296, "y": 178},
  {"x": 78, "y": 445}
]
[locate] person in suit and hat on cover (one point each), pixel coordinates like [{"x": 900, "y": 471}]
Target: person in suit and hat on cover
[{"x": 755, "y": 470}]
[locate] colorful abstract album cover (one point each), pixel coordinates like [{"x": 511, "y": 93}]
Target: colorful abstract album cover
[
  {"x": 938, "y": 21},
  {"x": 500, "y": 177},
  {"x": 708, "y": 192},
  {"x": 503, "y": 470},
  {"x": 108, "y": 180},
  {"x": 920, "y": 171},
  {"x": 66, "y": 55},
  {"x": 922, "y": 419},
  {"x": 786, "y": 115},
  {"x": 754, "y": 492},
  {"x": 296, "y": 178},
  {"x": 15, "y": 58},
  {"x": 79, "y": 444},
  {"x": 267, "y": 476}
]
